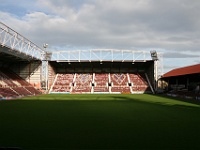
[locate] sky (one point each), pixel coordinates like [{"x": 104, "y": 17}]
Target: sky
[{"x": 171, "y": 27}]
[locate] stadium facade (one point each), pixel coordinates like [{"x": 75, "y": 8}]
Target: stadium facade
[{"x": 77, "y": 71}]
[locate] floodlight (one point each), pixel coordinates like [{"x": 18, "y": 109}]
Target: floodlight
[
  {"x": 154, "y": 55},
  {"x": 45, "y": 45}
]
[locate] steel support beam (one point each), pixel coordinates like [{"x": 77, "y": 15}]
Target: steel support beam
[{"x": 16, "y": 42}]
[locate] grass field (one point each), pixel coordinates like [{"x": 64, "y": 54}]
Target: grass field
[{"x": 59, "y": 122}]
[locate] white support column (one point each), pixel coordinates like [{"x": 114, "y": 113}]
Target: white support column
[
  {"x": 47, "y": 75},
  {"x": 155, "y": 74},
  {"x": 45, "y": 69},
  {"x": 149, "y": 83},
  {"x": 44, "y": 75}
]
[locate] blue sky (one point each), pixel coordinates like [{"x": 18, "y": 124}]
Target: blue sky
[
  {"x": 19, "y": 8},
  {"x": 168, "y": 26}
]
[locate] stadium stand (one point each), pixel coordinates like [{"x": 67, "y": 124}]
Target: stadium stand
[
  {"x": 139, "y": 84},
  {"x": 14, "y": 77},
  {"x": 101, "y": 81},
  {"x": 182, "y": 82},
  {"x": 82, "y": 83},
  {"x": 73, "y": 71},
  {"x": 8, "y": 92},
  {"x": 12, "y": 85},
  {"x": 63, "y": 83},
  {"x": 22, "y": 91},
  {"x": 119, "y": 82},
  {"x": 33, "y": 90}
]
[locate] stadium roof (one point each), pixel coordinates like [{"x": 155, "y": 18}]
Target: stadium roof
[
  {"x": 183, "y": 71},
  {"x": 14, "y": 43},
  {"x": 7, "y": 54},
  {"x": 100, "y": 55}
]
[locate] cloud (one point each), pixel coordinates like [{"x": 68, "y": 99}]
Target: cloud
[
  {"x": 116, "y": 23},
  {"x": 179, "y": 55},
  {"x": 172, "y": 26}
]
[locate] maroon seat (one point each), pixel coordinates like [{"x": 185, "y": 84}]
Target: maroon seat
[
  {"x": 101, "y": 81},
  {"x": 139, "y": 82},
  {"x": 12, "y": 85},
  {"x": 119, "y": 83}
]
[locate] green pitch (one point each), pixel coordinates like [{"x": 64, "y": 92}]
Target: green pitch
[{"x": 59, "y": 122}]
